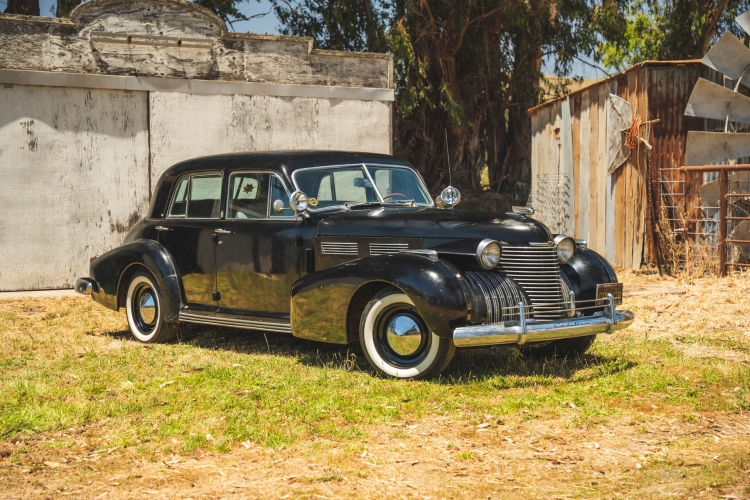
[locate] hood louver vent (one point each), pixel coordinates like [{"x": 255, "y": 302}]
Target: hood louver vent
[
  {"x": 338, "y": 248},
  {"x": 387, "y": 248}
]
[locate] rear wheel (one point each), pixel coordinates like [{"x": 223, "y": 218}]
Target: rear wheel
[
  {"x": 565, "y": 348},
  {"x": 396, "y": 341},
  {"x": 143, "y": 306}
]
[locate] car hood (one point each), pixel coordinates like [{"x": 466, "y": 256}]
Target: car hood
[{"x": 439, "y": 225}]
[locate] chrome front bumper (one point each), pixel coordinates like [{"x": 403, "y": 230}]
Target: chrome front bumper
[{"x": 530, "y": 330}]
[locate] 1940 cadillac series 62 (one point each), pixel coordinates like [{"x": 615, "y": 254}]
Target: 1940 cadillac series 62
[{"x": 345, "y": 247}]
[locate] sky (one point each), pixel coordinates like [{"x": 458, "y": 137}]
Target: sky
[{"x": 270, "y": 24}]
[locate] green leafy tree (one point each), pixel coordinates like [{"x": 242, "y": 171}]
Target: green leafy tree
[
  {"x": 669, "y": 30},
  {"x": 470, "y": 68}
]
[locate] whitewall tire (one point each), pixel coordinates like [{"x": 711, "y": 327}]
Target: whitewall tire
[
  {"x": 143, "y": 307},
  {"x": 397, "y": 342}
]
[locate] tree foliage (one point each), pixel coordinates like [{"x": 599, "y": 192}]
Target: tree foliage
[
  {"x": 468, "y": 67},
  {"x": 669, "y": 29}
]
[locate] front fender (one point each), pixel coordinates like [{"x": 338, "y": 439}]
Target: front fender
[
  {"x": 585, "y": 270},
  {"x": 321, "y": 300},
  {"x": 109, "y": 271}
]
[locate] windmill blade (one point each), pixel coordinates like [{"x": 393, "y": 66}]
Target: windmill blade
[
  {"x": 730, "y": 57},
  {"x": 744, "y": 21},
  {"x": 714, "y": 148},
  {"x": 710, "y": 100}
]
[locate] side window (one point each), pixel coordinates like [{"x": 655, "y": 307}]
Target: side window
[
  {"x": 204, "y": 201},
  {"x": 197, "y": 196},
  {"x": 248, "y": 196},
  {"x": 278, "y": 194},
  {"x": 179, "y": 204}
]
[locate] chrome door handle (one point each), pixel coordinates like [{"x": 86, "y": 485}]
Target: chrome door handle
[
  {"x": 222, "y": 231},
  {"x": 162, "y": 228}
]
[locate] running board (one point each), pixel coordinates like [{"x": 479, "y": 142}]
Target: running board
[{"x": 234, "y": 322}]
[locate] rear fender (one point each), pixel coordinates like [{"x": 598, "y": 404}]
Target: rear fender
[
  {"x": 112, "y": 271},
  {"x": 323, "y": 302}
]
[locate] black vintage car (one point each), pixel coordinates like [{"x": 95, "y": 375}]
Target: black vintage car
[{"x": 345, "y": 247}]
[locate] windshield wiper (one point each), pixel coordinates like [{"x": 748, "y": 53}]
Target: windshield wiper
[
  {"x": 356, "y": 204},
  {"x": 400, "y": 202}
]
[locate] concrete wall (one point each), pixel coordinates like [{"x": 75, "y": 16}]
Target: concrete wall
[
  {"x": 74, "y": 178},
  {"x": 94, "y": 109}
]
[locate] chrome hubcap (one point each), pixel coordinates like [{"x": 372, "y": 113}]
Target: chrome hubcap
[
  {"x": 404, "y": 334},
  {"x": 147, "y": 307}
]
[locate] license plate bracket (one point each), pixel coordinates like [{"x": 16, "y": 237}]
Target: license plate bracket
[{"x": 602, "y": 290}]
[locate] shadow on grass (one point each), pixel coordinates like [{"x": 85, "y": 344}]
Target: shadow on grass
[{"x": 505, "y": 367}]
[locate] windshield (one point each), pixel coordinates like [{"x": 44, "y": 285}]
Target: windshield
[{"x": 335, "y": 186}]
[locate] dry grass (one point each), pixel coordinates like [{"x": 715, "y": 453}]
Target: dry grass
[{"x": 656, "y": 411}]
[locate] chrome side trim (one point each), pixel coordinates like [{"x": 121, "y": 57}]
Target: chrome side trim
[
  {"x": 338, "y": 248},
  {"x": 387, "y": 248},
  {"x": 531, "y": 330},
  {"x": 431, "y": 254},
  {"x": 234, "y": 322}
]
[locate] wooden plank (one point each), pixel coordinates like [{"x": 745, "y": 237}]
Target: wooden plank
[
  {"x": 601, "y": 175},
  {"x": 583, "y": 190},
  {"x": 610, "y": 186},
  {"x": 567, "y": 187},
  {"x": 575, "y": 109},
  {"x": 593, "y": 172},
  {"x": 641, "y": 198}
]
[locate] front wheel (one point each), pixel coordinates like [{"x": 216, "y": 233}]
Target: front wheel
[
  {"x": 143, "y": 307},
  {"x": 396, "y": 341}
]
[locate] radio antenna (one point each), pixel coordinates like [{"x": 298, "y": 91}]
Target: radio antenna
[{"x": 448, "y": 156}]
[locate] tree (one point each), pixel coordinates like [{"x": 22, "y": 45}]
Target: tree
[
  {"x": 470, "y": 68},
  {"x": 65, "y": 7},
  {"x": 664, "y": 30},
  {"x": 25, "y": 7},
  {"x": 227, "y": 10}
]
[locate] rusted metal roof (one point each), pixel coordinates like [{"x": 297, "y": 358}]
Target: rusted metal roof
[{"x": 610, "y": 78}]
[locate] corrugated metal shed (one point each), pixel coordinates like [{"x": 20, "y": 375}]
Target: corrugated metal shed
[{"x": 576, "y": 139}]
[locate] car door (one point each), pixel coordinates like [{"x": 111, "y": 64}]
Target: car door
[
  {"x": 257, "y": 256},
  {"x": 187, "y": 232}
]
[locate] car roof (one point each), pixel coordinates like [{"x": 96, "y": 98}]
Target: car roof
[{"x": 282, "y": 162}]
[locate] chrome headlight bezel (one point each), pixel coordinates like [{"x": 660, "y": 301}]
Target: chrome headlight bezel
[
  {"x": 565, "y": 246},
  {"x": 489, "y": 253}
]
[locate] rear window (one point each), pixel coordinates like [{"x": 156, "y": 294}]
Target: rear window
[{"x": 197, "y": 196}]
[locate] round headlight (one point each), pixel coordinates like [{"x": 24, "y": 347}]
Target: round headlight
[
  {"x": 566, "y": 247},
  {"x": 489, "y": 253}
]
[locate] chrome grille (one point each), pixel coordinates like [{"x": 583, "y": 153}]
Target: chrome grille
[
  {"x": 500, "y": 297},
  {"x": 338, "y": 248},
  {"x": 537, "y": 270},
  {"x": 387, "y": 248}
]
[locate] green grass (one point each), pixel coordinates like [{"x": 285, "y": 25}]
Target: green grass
[{"x": 215, "y": 388}]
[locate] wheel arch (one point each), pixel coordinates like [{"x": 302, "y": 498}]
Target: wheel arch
[
  {"x": 114, "y": 270},
  {"x": 324, "y": 303}
]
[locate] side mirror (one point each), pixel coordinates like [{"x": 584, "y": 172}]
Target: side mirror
[
  {"x": 298, "y": 201},
  {"x": 278, "y": 206},
  {"x": 450, "y": 197}
]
